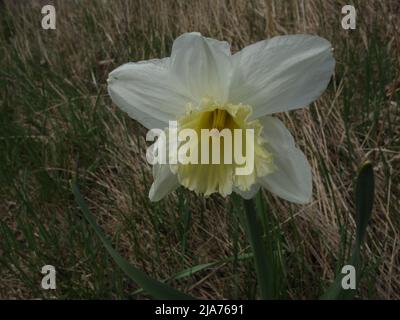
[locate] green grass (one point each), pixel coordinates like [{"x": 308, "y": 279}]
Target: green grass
[{"x": 57, "y": 123}]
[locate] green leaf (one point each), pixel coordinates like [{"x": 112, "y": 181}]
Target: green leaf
[
  {"x": 264, "y": 268},
  {"x": 153, "y": 287},
  {"x": 364, "y": 201},
  {"x": 197, "y": 268},
  {"x": 186, "y": 273}
]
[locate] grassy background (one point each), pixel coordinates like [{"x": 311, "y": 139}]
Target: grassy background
[{"x": 57, "y": 122}]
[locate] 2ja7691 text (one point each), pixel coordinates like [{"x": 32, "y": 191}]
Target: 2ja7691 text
[{"x": 207, "y": 310}]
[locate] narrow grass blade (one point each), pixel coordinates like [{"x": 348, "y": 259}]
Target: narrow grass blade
[
  {"x": 197, "y": 268},
  {"x": 153, "y": 287},
  {"x": 364, "y": 201},
  {"x": 262, "y": 262}
]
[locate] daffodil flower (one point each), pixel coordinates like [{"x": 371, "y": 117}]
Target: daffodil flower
[{"x": 202, "y": 85}]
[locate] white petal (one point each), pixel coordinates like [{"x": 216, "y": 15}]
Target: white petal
[
  {"x": 203, "y": 65},
  {"x": 146, "y": 91},
  {"x": 282, "y": 73},
  {"x": 292, "y": 179},
  {"x": 248, "y": 194},
  {"x": 164, "y": 182}
]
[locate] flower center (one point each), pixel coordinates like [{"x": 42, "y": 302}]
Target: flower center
[
  {"x": 230, "y": 150},
  {"x": 218, "y": 118}
]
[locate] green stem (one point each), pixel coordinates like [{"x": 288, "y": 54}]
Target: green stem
[{"x": 261, "y": 260}]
